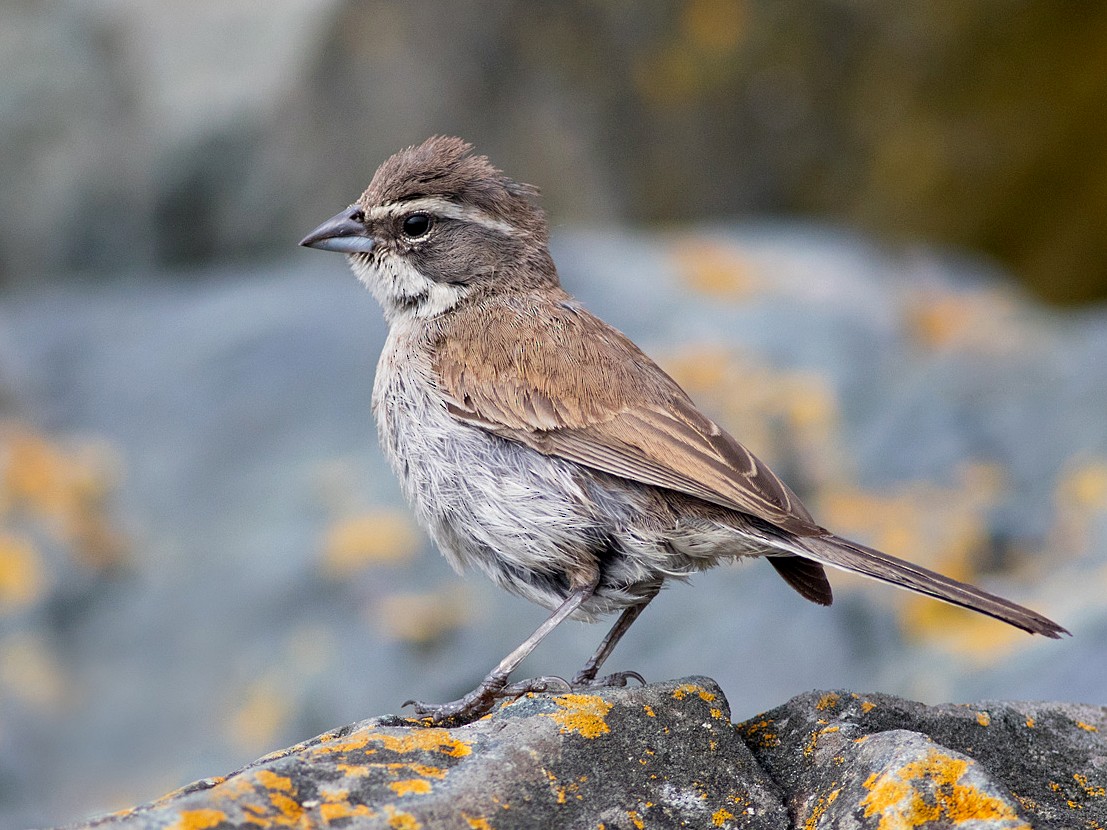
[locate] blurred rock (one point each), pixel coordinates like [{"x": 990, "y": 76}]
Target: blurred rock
[
  {"x": 136, "y": 133},
  {"x": 667, "y": 755}
]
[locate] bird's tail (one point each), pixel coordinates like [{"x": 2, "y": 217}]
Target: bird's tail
[{"x": 849, "y": 556}]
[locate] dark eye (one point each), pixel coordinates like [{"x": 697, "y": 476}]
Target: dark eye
[{"x": 416, "y": 225}]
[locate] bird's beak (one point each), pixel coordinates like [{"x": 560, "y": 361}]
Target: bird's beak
[{"x": 346, "y": 233}]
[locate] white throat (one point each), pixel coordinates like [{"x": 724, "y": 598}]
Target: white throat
[{"x": 402, "y": 291}]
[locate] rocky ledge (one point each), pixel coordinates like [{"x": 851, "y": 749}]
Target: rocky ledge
[{"x": 668, "y": 755}]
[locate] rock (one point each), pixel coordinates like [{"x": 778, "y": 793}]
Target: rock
[
  {"x": 876, "y": 761},
  {"x": 666, "y": 755},
  {"x": 663, "y": 755}
]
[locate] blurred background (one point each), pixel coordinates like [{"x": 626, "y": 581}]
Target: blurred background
[{"x": 869, "y": 238}]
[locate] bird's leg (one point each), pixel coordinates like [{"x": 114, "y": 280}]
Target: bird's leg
[
  {"x": 586, "y": 677},
  {"x": 480, "y": 701}
]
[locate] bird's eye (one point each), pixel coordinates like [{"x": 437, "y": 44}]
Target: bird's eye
[{"x": 416, "y": 225}]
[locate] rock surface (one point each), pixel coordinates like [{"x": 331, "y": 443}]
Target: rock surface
[{"x": 667, "y": 755}]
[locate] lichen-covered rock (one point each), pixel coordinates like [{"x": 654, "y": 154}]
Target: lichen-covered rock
[
  {"x": 667, "y": 755},
  {"x": 879, "y": 762},
  {"x": 661, "y": 756}
]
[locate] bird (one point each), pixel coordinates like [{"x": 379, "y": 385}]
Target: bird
[{"x": 539, "y": 445}]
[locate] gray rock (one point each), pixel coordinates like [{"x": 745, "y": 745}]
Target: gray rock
[
  {"x": 661, "y": 756},
  {"x": 876, "y": 761},
  {"x": 666, "y": 755}
]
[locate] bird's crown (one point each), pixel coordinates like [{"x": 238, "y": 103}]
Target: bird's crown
[{"x": 446, "y": 168}]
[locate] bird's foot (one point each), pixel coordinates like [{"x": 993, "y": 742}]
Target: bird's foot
[
  {"x": 480, "y": 701},
  {"x": 588, "y": 680},
  {"x": 538, "y": 685},
  {"x": 476, "y": 704}
]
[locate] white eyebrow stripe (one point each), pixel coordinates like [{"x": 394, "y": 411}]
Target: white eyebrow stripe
[{"x": 442, "y": 207}]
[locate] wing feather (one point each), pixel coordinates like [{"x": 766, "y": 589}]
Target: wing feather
[{"x": 561, "y": 381}]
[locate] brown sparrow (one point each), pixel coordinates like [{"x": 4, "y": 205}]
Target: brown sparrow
[{"x": 540, "y": 445}]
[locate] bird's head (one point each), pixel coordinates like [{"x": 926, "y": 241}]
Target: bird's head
[{"x": 437, "y": 225}]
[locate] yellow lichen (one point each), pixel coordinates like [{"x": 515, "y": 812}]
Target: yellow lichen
[
  {"x": 291, "y": 811},
  {"x": 649, "y": 710},
  {"x": 407, "y": 786},
  {"x": 721, "y": 816},
  {"x": 686, "y": 689},
  {"x": 583, "y": 714},
  {"x": 635, "y": 819},
  {"x": 1089, "y": 789},
  {"x": 813, "y": 740},
  {"x": 198, "y": 819},
  {"x": 867, "y": 706},
  {"x": 1030, "y": 723},
  {"x": 1087, "y": 727},
  {"x": 983, "y": 718},
  {"x": 759, "y": 731},
  {"x": 334, "y": 810},
  {"x": 821, "y": 807},
  {"x": 400, "y": 820},
  {"x": 477, "y": 823},
  {"x": 422, "y": 740},
  {"x": 827, "y": 701},
  {"x": 271, "y": 781},
  {"x": 929, "y": 790}
]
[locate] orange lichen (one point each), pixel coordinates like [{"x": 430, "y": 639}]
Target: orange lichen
[
  {"x": 867, "y": 706},
  {"x": 821, "y": 807},
  {"x": 291, "y": 812},
  {"x": 478, "y": 823},
  {"x": 830, "y": 699},
  {"x": 813, "y": 740},
  {"x": 198, "y": 819},
  {"x": 400, "y": 820},
  {"x": 1030, "y": 723},
  {"x": 407, "y": 786},
  {"x": 353, "y": 770},
  {"x": 583, "y": 714},
  {"x": 649, "y": 710},
  {"x": 686, "y": 689},
  {"x": 1089, "y": 789},
  {"x": 334, "y": 810},
  {"x": 983, "y": 718},
  {"x": 1087, "y": 727},
  {"x": 272, "y": 781},
  {"x": 721, "y": 816},
  {"x": 929, "y": 790},
  {"x": 759, "y": 731},
  {"x": 635, "y": 819},
  {"x": 421, "y": 740}
]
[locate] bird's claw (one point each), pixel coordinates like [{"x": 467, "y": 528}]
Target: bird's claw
[
  {"x": 476, "y": 704},
  {"x": 480, "y": 701},
  {"x": 617, "y": 680},
  {"x": 537, "y": 685}
]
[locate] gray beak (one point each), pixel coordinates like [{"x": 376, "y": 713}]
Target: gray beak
[{"x": 346, "y": 233}]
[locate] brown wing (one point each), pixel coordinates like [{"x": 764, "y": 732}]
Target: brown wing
[{"x": 554, "y": 377}]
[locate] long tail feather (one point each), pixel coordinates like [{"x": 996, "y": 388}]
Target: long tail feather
[{"x": 850, "y": 556}]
